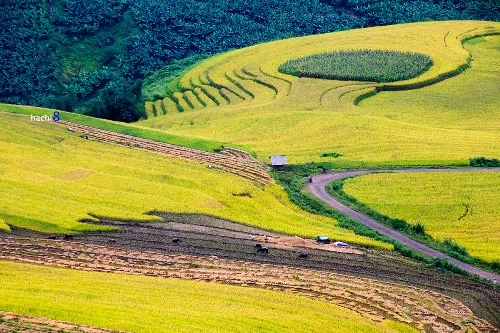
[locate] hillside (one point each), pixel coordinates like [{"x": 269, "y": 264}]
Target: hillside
[
  {"x": 174, "y": 223},
  {"x": 304, "y": 118},
  {"x": 53, "y": 179},
  {"x": 97, "y": 52}
]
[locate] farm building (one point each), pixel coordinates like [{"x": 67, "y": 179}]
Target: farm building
[{"x": 278, "y": 162}]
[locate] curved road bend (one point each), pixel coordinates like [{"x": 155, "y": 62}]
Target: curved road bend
[{"x": 317, "y": 187}]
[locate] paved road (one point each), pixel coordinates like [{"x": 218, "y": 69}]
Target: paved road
[{"x": 317, "y": 187}]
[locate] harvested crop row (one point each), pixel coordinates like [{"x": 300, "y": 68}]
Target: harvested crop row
[
  {"x": 372, "y": 299},
  {"x": 246, "y": 167},
  {"x": 14, "y": 323}
]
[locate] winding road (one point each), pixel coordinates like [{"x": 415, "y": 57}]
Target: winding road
[{"x": 317, "y": 187}]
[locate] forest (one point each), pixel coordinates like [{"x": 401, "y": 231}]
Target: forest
[{"x": 91, "y": 56}]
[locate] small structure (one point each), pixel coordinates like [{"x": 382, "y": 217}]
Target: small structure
[
  {"x": 323, "y": 239},
  {"x": 341, "y": 244},
  {"x": 278, "y": 162}
]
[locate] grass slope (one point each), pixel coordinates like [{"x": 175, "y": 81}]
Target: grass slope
[
  {"x": 304, "y": 117},
  {"x": 52, "y": 178},
  {"x": 145, "y": 304},
  {"x": 123, "y": 128},
  {"x": 458, "y": 206}
]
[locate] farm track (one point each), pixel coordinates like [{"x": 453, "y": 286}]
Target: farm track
[
  {"x": 317, "y": 188},
  {"x": 426, "y": 310},
  {"x": 231, "y": 160},
  {"x": 14, "y": 323}
]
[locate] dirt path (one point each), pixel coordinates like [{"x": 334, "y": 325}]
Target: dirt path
[
  {"x": 317, "y": 187},
  {"x": 376, "y": 300}
]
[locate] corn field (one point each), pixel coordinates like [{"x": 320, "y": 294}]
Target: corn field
[{"x": 359, "y": 65}]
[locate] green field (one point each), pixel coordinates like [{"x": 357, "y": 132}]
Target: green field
[
  {"x": 462, "y": 206},
  {"x": 304, "y": 117},
  {"x": 52, "y": 178},
  {"x": 145, "y": 304}
]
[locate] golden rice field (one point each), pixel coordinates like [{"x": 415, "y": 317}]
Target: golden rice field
[
  {"x": 51, "y": 179},
  {"x": 147, "y": 304},
  {"x": 452, "y": 98},
  {"x": 462, "y": 206},
  {"x": 274, "y": 113}
]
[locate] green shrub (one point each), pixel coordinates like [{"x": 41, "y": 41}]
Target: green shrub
[
  {"x": 444, "y": 265},
  {"x": 331, "y": 154},
  {"x": 419, "y": 229},
  {"x": 359, "y": 65},
  {"x": 454, "y": 247},
  {"x": 483, "y": 162}
]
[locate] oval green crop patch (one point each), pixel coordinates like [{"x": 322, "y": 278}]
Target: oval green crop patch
[{"x": 359, "y": 65}]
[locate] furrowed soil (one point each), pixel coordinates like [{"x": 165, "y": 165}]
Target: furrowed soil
[
  {"x": 14, "y": 323},
  {"x": 377, "y": 301},
  {"x": 211, "y": 249}
]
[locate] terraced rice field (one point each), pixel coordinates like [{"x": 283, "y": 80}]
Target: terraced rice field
[
  {"x": 53, "y": 179},
  {"x": 375, "y": 301},
  {"x": 452, "y": 98},
  {"x": 460, "y": 206},
  {"x": 303, "y": 117}
]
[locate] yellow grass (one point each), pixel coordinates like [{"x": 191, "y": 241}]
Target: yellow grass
[
  {"x": 472, "y": 100},
  {"x": 461, "y": 206},
  {"x": 4, "y": 226},
  {"x": 310, "y": 116},
  {"x": 146, "y": 304},
  {"x": 169, "y": 105},
  {"x": 148, "y": 107},
  {"x": 52, "y": 178},
  {"x": 158, "y": 107}
]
